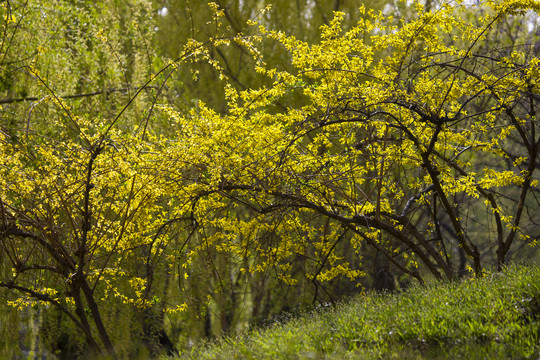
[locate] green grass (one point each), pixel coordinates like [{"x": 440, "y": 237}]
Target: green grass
[{"x": 494, "y": 317}]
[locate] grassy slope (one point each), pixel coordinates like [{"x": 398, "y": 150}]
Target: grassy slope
[{"x": 496, "y": 317}]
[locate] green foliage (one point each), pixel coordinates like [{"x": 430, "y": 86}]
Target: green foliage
[
  {"x": 192, "y": 20},
  {"x": 10, "y": 320},
  {"x": 60, "y": 336},
  {"x": 496, "y": 315}
]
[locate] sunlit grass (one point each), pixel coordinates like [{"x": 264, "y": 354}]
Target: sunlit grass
[{"x": 495, "y": 317}]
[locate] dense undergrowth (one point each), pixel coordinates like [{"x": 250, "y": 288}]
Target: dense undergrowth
[{"x": 493, "y": 317}]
